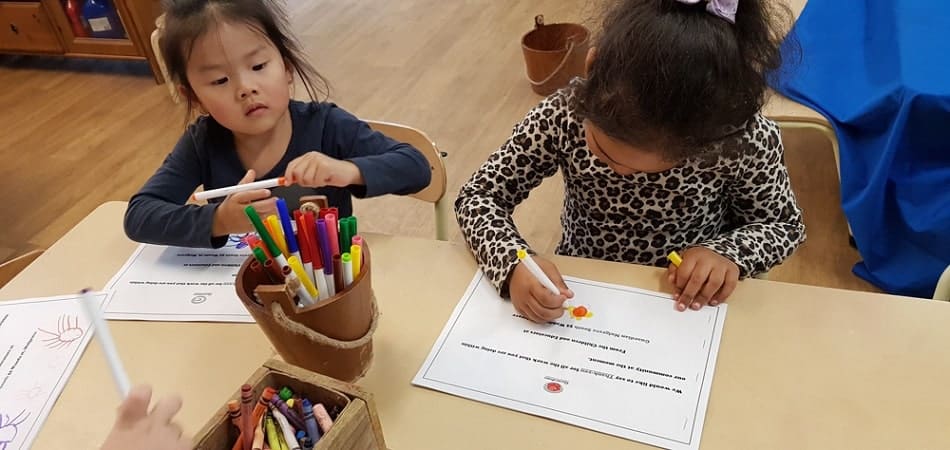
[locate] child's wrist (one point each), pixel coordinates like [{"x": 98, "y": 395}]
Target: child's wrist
[
  {"x": 356, "y": 176},
  {"x": 218, "y": 227}
]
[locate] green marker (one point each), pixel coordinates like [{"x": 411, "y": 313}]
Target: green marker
[
  {"x": 260, "y": 255},
  {"x": 344, "y": 232},
  {"x": 266, "y": 237},
  {"x": 285, "y": 393}
]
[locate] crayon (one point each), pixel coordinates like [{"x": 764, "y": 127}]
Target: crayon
[{"x": 312, "y": 430}]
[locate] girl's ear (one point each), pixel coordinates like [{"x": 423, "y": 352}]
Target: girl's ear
[
  {"x": 183, "y": 92},
  {"x": 189, "y": 95},
  {"x": 591, "y": 53},
  {"x": 289, "y": 72}
]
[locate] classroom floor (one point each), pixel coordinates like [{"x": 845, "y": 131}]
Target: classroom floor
[{"x": 82, "y": 132}]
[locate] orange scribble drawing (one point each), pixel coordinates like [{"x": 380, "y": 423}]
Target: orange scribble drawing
[{"x": 579, "y": 312}]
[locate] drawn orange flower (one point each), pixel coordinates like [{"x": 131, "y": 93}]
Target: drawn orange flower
[{"x": 579, "y": 312}]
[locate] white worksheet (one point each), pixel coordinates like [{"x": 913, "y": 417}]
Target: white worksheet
[
  {"x": 162, "y": 283},
  {"x": 41, "y": 341},
  {"x": 620, "y": 361}
]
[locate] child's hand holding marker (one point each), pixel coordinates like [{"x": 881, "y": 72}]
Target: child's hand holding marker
[
  {"x": 315, "y": 169},
  {"x": 537, "y": 289},
  {"x": 137, "y": 427},
  {"x": 230, "y": 218},
  {"x": 700, "y": 277}
]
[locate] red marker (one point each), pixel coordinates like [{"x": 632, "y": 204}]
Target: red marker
[
  {"x": 303, "y": 236},
  {"x": 332, "y": 235},
  {"x": 311, "y": 224}
]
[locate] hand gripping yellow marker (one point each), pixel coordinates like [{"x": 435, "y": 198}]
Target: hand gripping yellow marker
[{"x": 675, "y": 258}]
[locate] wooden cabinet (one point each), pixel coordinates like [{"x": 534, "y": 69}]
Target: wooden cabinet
[
  {"x": 26, "y": 27},
  {"x": 44, "y": 27}
]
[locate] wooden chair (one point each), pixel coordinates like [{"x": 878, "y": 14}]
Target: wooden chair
[
  {"x": 789, "y": 123},
  {"x": 11, "y": 268},
  {"x": 808, "y": 123},
  {"x": 156, "y": 49},
  {"x": 942, "y": 291},
  {"x": 792, "y": 123},
  {"x": 435, "y": 192}
]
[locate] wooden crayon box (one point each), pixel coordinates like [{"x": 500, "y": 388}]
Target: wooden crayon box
[{"x": 356, "y": 426}]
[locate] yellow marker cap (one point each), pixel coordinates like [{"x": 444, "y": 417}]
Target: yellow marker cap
[
  {"x": 522, "y": 253},
  {"x": 675, "y": 258}
]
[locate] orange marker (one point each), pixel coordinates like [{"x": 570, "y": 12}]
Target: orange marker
[
  {"x": 277, "y": 232},
  {"x": 263, "y": 403},
  {"x": 234, "y": 413}
]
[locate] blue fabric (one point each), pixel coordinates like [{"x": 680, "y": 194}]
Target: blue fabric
[{"x": 880, "y": 72}]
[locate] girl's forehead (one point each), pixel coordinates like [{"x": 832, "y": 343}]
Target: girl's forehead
[{"x": 226, "y": 39}]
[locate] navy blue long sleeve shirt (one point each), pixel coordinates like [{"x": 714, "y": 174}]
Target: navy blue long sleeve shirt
[{"x": 205, "y": 155}]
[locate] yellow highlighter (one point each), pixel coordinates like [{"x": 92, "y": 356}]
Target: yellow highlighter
[
  {"x": 356, "y": 252},
  {"x": 277, "y": 232},
  {"x": 675, "y": 258},
  {"x": 270, "y": 430},
  {"x": 297, "y": 267}
]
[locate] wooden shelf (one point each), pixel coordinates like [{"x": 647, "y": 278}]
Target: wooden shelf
[{"x": 43, "y": 27}]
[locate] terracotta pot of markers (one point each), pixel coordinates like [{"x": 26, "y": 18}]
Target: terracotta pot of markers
[{"x": 332, "y": 337}]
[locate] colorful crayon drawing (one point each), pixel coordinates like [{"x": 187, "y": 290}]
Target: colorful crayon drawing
[
  {"x": 579, "y": 312},
  {"x": 8, "y": 427},
  {"x": 67, "y": 331},
  {"x": 237, "y": 241}
]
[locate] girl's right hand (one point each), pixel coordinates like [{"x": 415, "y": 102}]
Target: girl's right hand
[
  {"x": 531, "y": 299},
  {"x": 230, "y": 217}
]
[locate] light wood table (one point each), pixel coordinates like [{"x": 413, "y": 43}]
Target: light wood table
[{"x": 799, "y": 366}]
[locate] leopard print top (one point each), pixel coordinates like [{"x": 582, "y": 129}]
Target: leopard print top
[{"x": 740, "y": 206}]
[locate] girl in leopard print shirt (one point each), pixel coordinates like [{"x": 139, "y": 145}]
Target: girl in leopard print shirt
[{"x": 661, "y": 148}]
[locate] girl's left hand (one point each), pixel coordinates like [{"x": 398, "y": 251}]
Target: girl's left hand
[
  {"x": 315, "y": 169},
  {"x": 704, "y": 277}
]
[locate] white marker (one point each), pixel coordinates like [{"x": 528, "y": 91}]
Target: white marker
[
  {"x": 305, "y": 298},
  {"x": 347, "y": 269},
  {"x": 308, "y": 269},
  {"x": 323, "y": 292},
  {"x": 537, "y": 272},
  {"x": 105, "y": 340},
  {"x": 225, "y": 191},
  {"x": 330, "y": 282}
]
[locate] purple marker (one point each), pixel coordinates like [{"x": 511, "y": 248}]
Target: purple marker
[
  {"x": 325, "y": 250},
  {"x": 290, "y": 414}
]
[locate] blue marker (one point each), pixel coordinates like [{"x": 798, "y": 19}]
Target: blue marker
[
  {"x": 313, "y": 431},
  {"x": 284, "y": 214}
]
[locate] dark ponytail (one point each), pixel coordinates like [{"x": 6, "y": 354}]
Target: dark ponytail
[{"x": 673, "y": 77}]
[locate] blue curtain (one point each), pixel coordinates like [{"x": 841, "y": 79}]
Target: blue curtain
[{"x": 879, "y": 71}]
